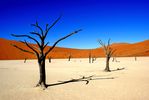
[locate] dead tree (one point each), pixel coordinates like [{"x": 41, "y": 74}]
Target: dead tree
[
  {"x": 93, "y": 59},
  {"x": 108, "y": 53},
  {"x": 69, "y": 57},
  {"x": 90, "y": 57},
  {"x": 113, "y": 59},
  {"x": 50, "y": 59},
  {"x": 25, "y": 60},
  {"x": 135, "y": 58},
  {"x": 39, "y": 49}
]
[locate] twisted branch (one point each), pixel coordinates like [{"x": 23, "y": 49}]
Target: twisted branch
[
  {"x": 61, "y": 40},
  {"x": 27, "y": 37},
  {"x": 36, "y": 34},
  {"x": 36, "y": 25},
  {"x": 48, "y": 28},
  {"x": 22, "y": 49}
]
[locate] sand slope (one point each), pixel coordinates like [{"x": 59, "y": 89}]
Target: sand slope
[
  {"x": 18, "y": 80},
  {"x": 122, "y": 49}
]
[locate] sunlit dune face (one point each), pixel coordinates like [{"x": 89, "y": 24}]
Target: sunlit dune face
[{"x": 7, "y": 51}]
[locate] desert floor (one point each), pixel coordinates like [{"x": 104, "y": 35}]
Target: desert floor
[{"x": 17, "y": 80}]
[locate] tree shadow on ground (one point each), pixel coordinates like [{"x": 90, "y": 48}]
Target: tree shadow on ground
[{"x": 82, "y": 79}]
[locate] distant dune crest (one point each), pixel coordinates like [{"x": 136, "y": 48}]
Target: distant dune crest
[{"x": 8, "y": 52}]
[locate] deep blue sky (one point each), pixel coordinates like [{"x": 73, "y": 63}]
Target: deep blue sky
[{"x": 120, "y": 20}]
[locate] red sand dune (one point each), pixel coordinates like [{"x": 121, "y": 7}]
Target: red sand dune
[{"x": 7, "y": 51}]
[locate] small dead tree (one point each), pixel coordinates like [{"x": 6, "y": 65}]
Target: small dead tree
[
  {"x": 39, "y": 49},
  {"x": 50, "y": 59},
  {"x": 108, "y": 53},
  {"x": 69, "y": 57},
  {"x": 135, "y": 58},
  {"x": 25, "y": 60},
  {"x": 93, "y": 59},
  {"x": 90, "y": 57},
  {"x": 113, "y": 59}
]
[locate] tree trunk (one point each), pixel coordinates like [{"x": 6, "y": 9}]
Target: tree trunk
[
  {"x": 92, "y": 59},
  {"x": 42, "y": 72},
  {"x": 107, "y": 64},
  {"x": 89, "y": 58},
  {"x": 113, "y": 59},
  {"x": 25, "y": 60},
  {"x": 50, "y": 60},
  {"x": 135, "y": 58},
  {"x": 69, "y": 58}
]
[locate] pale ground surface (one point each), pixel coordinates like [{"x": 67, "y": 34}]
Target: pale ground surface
[{"x": 17, "y": 80}]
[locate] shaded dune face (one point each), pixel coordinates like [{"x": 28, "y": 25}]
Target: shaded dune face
[{"x": 8, "y": 52}]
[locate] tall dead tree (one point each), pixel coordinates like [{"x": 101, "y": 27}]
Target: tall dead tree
[
  {"x": 108, "y": 53},
  {"x": 39, "y": 50}
]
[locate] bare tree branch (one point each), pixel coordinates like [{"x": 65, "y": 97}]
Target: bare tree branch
[
  {"x": 108, "y": 42},
  {"x": 36, "y": 34},
  {"x": 47, "y": 29},
  {"x": 34, "y": 46},
  {"x": 31, "y": 48},
  {"x": 22, "y": 49},
  {"x": 36, "y": 25},
  {"x": 45, "y": 45},
  {"x": 103, "y": 46},
  {"x": 101, "y": 43},
  {"x": 108, "y": 48},
  {"x": 112, "y": 52},
  {"x": 27, "y": 37},
  {"x": 62, "y": 39}
]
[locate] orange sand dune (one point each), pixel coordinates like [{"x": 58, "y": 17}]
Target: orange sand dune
[{"x": 7, "y": 51}]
